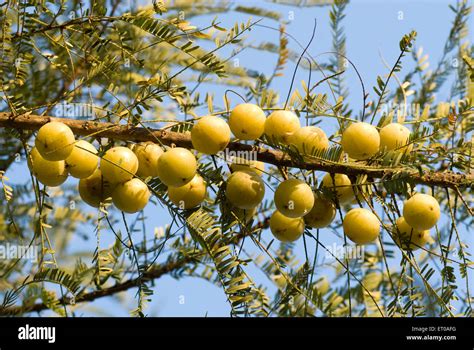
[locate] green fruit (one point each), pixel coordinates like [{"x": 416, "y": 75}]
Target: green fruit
[
  {"x": 247, "y": 121},
  {"x": 210, "y": 135},
  {"x": 49, "y": 173},
  {"x": 95, "y": 189},
  {"x": 395, "y": 136},
  {"x": 55, "y": 141},
  {"x": 341, "y": 185},
  {"x": 176, "y": 167},
  {"x": 252, "y": 165},
  {"x": 280, "y": 126},
  {"x": 190, "y": 195},
  {"x": 360, "y": 141},
  {"x": 407, "y": 237},
  {"x": 294, "y": 198},
  {"x": 309, "y": 139},
  {"x": 131, "y": 196},
  {"x": 83, "y": 160},
  {"x": 361, "y": 226},
  {"x": 421, "y": 211},
  {"x": 286, "y": 229},
  {"x": 245, "y": 189},
  {"x": 322, "y": 214},
  {"x": 147, "y": 154}
]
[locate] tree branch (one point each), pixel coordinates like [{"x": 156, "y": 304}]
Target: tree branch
[
  {"x": 275, "y": 157},
  {"x": 152, "y": 274}
]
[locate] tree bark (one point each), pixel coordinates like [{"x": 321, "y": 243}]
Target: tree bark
[{"x": 275, "y": 157}]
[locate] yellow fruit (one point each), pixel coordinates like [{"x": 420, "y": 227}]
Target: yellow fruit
[
  {"x": 83, "y": 160},
  {"x": 409, "y": 238},
  {"x": 252, "y": 165},
  {"x": 294, "y": 198},
  {"x": 361, "y": 226},
  {"x": 309, "y": 140},
  {"x": 190, "y": 195},
  {"x": 280, "y": 125},
  {"x": 49, "y": 173},
  {"x": 286, "y": 229},
  {"x": 210, "y": 135},
  {"x": 341, "y": 185},
  {"x": 147, "y": 154},
  {"x": 245, "y": 189},
  {"x": 95, "y": 189},
  {"x": 322, "y": 214},
  {"x": 247, "y": 121},
  {"x": 360, "y": 141},
  {"x": 131, "y": 196},
  {"x": 55, "y": 141},
  {"x": 176, "y": 167},
  {"x": 395, "y": 136},
  {"x": 322, "y": 285},
  {"x": 421, "y": 211},
  {"x": 119, "y": 164}
]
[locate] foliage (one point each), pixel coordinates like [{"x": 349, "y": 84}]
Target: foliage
[{"x": 148, "y": 67}]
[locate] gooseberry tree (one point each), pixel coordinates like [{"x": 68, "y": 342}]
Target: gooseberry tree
[{"x": 103, "y": 110}]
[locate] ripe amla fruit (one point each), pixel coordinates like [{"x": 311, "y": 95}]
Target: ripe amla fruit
[
  {"x": 309, "y": 139},
  {"x": 341, "y": 185},
  {"x": 286, "y": 229},
  {"x": 409, "y": 238},
  {"x": 322, "y": 213},
  {"x": 247, "y": 121},
  {"x": 252, "y": 165},
  {"x": 210, "y": 135},
  {"x": 49, "y": 173},
  {"x": 147, "y": 154},
  {"x": 55, "y": 141},
  {"x": 95, "y": 189},
  {"x": 176, "y": 167},
  {"x": 294, "y": 198},
  {"x": 395, "y": 136},
  {"x": 280, "y": 125},
  {"x": 361, "y": 226},
  {"x": 83, "y": 160},
  {"x": 421, "y": 211},
  {"x": 189, "y": 195},
  {"x": 245, "y": 189},
  {"x": 119, "y": 164},
  {"x": 131, "y": 196},
  {"x": 360, "y": 141}
]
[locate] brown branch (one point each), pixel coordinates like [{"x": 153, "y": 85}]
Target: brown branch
[
  {"x": 151, "y": 274},
  {"x": 275, "y": 157}
]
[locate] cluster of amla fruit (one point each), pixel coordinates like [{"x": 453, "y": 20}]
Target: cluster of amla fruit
[
  {"x": 118, "y": 173},
  {"x": 57, "y": 154},
  {"x": 296, "y": 203}
]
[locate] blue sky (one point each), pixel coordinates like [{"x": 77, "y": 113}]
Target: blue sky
[{"x": 372, "y": 28}]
